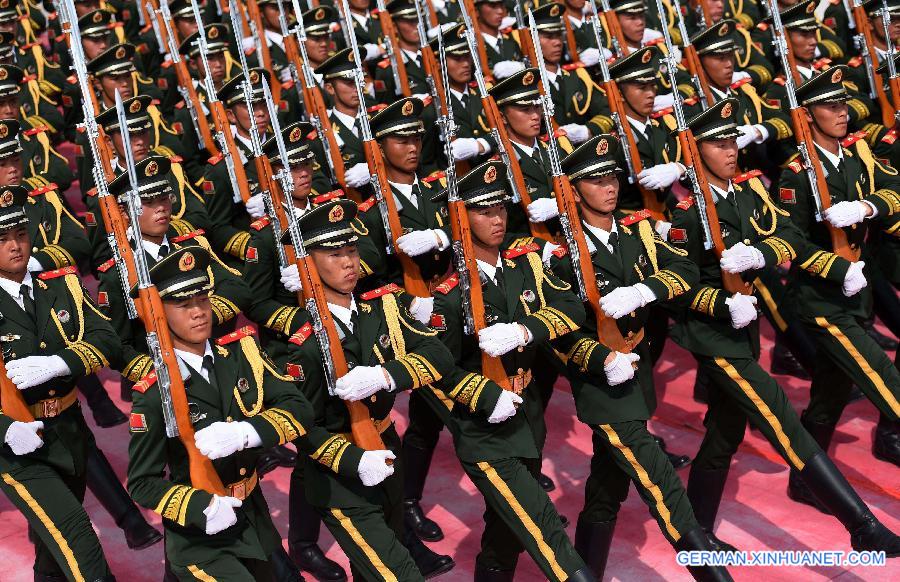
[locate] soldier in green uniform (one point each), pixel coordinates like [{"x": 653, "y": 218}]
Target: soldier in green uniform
[
  {"x": 388, "y": 351},
  {"x": 503, "y": 52},
  {"x": 367, "y": 29},
  {"x": 830, "y": 46},
  {"x": 403, "y": 13},
  {"x": 239, "y": 405},
  {"x": 720, "y": 332},
  {"x": 831, "y": 292},
  {"x": 43, "y": 463},
  {"x": 633, "y": 268}
]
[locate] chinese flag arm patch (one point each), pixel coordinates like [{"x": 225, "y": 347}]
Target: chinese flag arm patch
[
  {"x": 787, "y": 195},
  {"x": 137, "y": 423},
  {"x": 678, "y": 235}
]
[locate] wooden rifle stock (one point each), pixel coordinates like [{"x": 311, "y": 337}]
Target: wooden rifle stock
[
  {"x": 696, "y": 68},
  {"x": 611, "y": 25},
  {"x": 217, "y": 110},
  {"x": 571, "y": 43},
  {"x": 388, "y": 30},
  {"x": 884, "y": 102},
  {"x": 11, "y": 399}
]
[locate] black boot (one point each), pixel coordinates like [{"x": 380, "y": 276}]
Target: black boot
[
  {"x": 483, "y": 574},
  {"x": 701, "y": 387},
  {"x": 784, "y": 363},
  {"x": 583, "y": 575},
  {"x": 416, "y": 463},
  {"x": 103, "y": 409},
  {"x": 430, "y": 564},
  {"x": 310, "y": 558},
  {"x": 592, "y": 542},
  {"x": 797, "y": 488},
  {"x": 835, "y": 493},
  {"x": 48, "y": 578},
  {"x": 886, "y": 445},
  {"x": 677, "y": 461},
  {"x": 283, "y": 568},
  {"x": 277, "y": 456},
  {"x": 704, "y": 490},
  {"x": 698, "y": 540},
  {"x": 105, "y": 485}
]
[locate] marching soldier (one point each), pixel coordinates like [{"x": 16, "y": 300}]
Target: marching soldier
[
  {"x": 21, "y": 99},
  {"x": 403, "y": 14},
  {"x": 807, "y": 29},
  {"x": 503, "y": 52}
]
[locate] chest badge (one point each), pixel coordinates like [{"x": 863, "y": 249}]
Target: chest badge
[
  {"x": 63, "y": 316},
  {"x": 642, "y": 260},
  {"x": 194, "y": 411},
  {"x": 725, "y": 232},
  {"x": 528, "y": 295},
  {"x": 243, "y": 385},
  {"x": 384, "y": 341}
]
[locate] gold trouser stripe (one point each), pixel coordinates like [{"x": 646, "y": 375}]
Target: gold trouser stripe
[
  {"x": 360, "y": 541},
  {"x": 873, "y": 376},
  {"x": 764, "y": 410},
  {"x": 770, "y": 301},
  {"x": 526, "y": 520},
  {"x": 199, "y": 574},
  {"x": 644, "y": 478},
  {"x": 48, "y": 523}
]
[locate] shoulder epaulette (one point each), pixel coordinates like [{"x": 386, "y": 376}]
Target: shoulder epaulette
[
  {"x": 743, "y": 81},
  {"x": 573, "y": 66},
  {"x": 287, "y": 84},
  {"x": 376, "y": 293},
  {"x": 302, "y": 334},
  {"x": 106, "y": 266},
  {"x": 448, "y": 284},
  {"x": 365, "y": 206},
  {"x": 44, "y": 189},
  {"x": 763, "y": 26},
  {"x": 746, "y": 176},
  {"x": 635, "y": 217},
  {"x": 384, "y": 64},
  {"x": 658, "y": 40},
  {"x": 692, "y": 100},
  {"x": 35, "y": 130},
  {"x": 890, "y": 137},
  {"x": 72, "y": 79},
  {"x": 260, "y": 224},
  {"x": 779, "y": 80},
  {"x": 235, "y": 336},
  {"x": 145, "y": 383},
  {"x": 855, "y": 62},
  {"x": 823, "y": 62},
  {"x": 519, "y": 251},
  {"x": 662, "y": 113},
  {"x": 560, "y": 132},
  {"x": 189, "y": 235},
  {"x": 795, "y": 164},
  {"x": 323, "y": 198},
  {"x": 686, "y": 203},
  {"x": 853, "y": 138},
  {"x": 376, "y": 108},
  {"x": 57, "y": 273},
  {"x": 216, "y": 159},
  {"x": 560, "y": 251},
  {"x": 433, "y": 177}
]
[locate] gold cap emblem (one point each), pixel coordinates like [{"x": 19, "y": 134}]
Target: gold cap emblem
[
  {"x": 254, "y": 77},
  {"x": 320, "y": 14},
  {"x": 152, "y": 169},
  {"x": 602, "y": 147},
  {"x": 135, "y": 106},
  {"x": 528, "y": 78},
  {"x": 554, "y": 10},
  {"x": 724, "y": 30},
  {"x": 120, "y": 52},
  {"x": 213, "y": 32},
  {"x": 295, "y": 135},
  {"x": 646, "y": 58},
  {"x": 186, "y": 263},
  {"x": 837, "y": 76},
  {"x": 6, "y": 199},
  {"x": 490, "y": 175},
  {"x": 336, "y": 214},
  {"x": 4, "y": 130},
  {"x": 97, "y": 17},
  {"x": 407, "y": 108},
  {"x": 726, "y": 111},
  {"x": 4, "y": 73}
]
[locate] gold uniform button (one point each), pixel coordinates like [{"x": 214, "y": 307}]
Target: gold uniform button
[
  {"x": 43, "y": 345},
  {"x": 521, "y": 349},
  {"x": 51, "y": 393},
  {"x": 34, "y": 249},
  {"x": 520, "y": 371},
  {"x": 228, "y": 419},
  {"x": 746, "y": 241},
  {"x": 243, "y": 471}
]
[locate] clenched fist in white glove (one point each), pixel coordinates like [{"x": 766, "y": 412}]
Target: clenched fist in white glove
[
  {"x": 290, "y": 278},
  {"x": 361, "y": 382},
  {"x": 589, "y": 57},
  {"x": 742, "y": 308},
  {"x": 500, "y": 338},
  {"x": 650, "y": 34},
  {"x": 542, "y": 209},
  {"x": 504, "y": 69},
  {"x": 34, "y": 265},
  {"x": 220, "y": 514},
  {"x": 740, "y": 258},
  {"x": 620, "y": 367},
  {"x": 749, "y": 134},
  {"x": 576, "y": 132},
  {"x": 663, "y": 101},
  {"x": 739, "y": 76},
  {"x": 256, "y": 206},
  {"x": 372, "y": 51},
  {"x": 23, "y": 438},
  {"x": 373, "y": 467},
  {"x": 847, "y": 213},
  {"x": 662, "y": 229},
  {"x": 357, "y": 175},
  {"x": 33, "y": 370},
  {"x": 506, "y": 407},
  {"x": 221, "y": 439},
  {"x": 623, "y": 300},
  {"x": 418, "y": 242},
  {"x": 421, "y": 308},
  {"x": 855, "y": 279},
  {"x": 464, "y": 148},
  {"x": 660, "y": 176},
  {"x": 507, "y": 22}
]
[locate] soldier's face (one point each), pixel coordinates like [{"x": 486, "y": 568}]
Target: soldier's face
[
  {"x": 11, "y": 170},
  {"x": 715, "y": 9},
  {"x": 402, "y": 152},
  {"x": 576, "y": 6},
  {"x": 302, "y": 176},
  {"x": 338, "y": 268},
  {"x": 492, "y": 13},
  {"x": 186, "y": 26},
  {"x": 720, "y": 157},
  {"x": 122, "y": 82},
  {"x": 639, "y": 97},
  {"x": 344, "y": 92},
  {"x": 15, "y": 250},
  {"x": 156, "y": 215},
  {"x": 632, "y": 26},
  {"x": 217, "y": 67},
  {"x": 94, "y": 45},
  {"x": 408, "y": 29},
  {"x": 803, "y": 44},
  {"x": 719, "y": 68},
  {"x": 523, "y": 120},
  {"x": 878, "y": 28},
  {"x": 459, "y": 68},
  {"x": 551, "y": 46},
  {"x": 140, "y": 145},
  {"x": 9, "y": 107},
  {"x": 830, "y": 118},
  {"x": 317, "y": 48},
  {"x": 359, "y": 5},
  {"x": 240, "y": 116},
  {"x": 269, "y": 15},
  {"x": 488, "y": 225},
  {"x": 599, "y": 194},
  {"x": 189, "y": 319}
]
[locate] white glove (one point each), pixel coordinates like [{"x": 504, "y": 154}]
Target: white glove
[
  {"x": 439, "y": 5},
  {"x": 33, "y": 370},
  {"x": 662, "y": 229},
  {"x": 650, "y": 35},
  {"x": 506, "y": 407},
  {"x": 660, "y": 176},
  {"x": 504, "y": 69},
  {"x": 373, "y": 467},
  {"x": 846, "y": 213},
  {"x": 361, "y": 382},
  {"x": 421, "y": 308},
  {"x": 854, "y": 280},
  {"x": 500, "y": 338},
  {"x": 742, "y": 308},
  {"x": 589, "y": 57},
  {"x": 576, "y": 132},
  {"x": 256, "y": 206},
  {"x": 739, "y": 76},
  {"x": 418, "y": 242},
  {"x": 663, "y": 101},
  {"x": 507, "y": 22},
  {"x": 248, "y": 43},
  {"x": 290, "y": 278},
  {"x": 749, "y": 134},
  {"x": 221, "y": 439},
  {"x": 623, "y": 300},
  {"x": 433, "y": 31},
  {"x": 220, "y": 514},
  {"x": 22, "y": 437},
  {"x": 373, "y": 51},
  {"x": 542, "y": 209},
  {"x": 464, "y": 148},
  {"x": 357, "y": 175},
  {"x": 285, "y": 75},
  {"x": 621, "y": 368},
  {"x": 740, "y": 258},
  {"x": 34, "y": 265}
]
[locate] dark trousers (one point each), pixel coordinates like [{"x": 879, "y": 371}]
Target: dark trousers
[{"x": 226, "y": 568}]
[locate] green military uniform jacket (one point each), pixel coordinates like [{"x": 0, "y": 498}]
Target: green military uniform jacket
[
  {"x": 578, "y": 99},
  {"x": 508, "y": 49},
  {"x": 39, "y": 112},
  {"x": 229, "y": 220},
  {"x": 830, "y": 44},
  {"x": 73, "y": 113},
  {"x": 657, "y": 146},
  {"x": 39, "y": 158},
  {"x": 57, "y": 237},
  {"x": 351, "y": 145}
]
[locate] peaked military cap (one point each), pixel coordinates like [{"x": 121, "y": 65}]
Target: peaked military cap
[
  {"x": 717, "y": 39},
  {"x": 873, "y": 6},
  {"x": 549, "y": 17},
  {"x": 597, "y": 157},
  {"x": 9, "y": 138},
  {"x": 454, "y": 39},
  {"x": 404, "y": 9},
  {"x": 318, "y": 21},
  {"x": 402, "y": 117},
  {"x": 10, "y": 79},
  {"x": 12, "y": 207},
  {"x": 7, "y": 46},
  {"x": 826, "y": 87},
  {"x": 152, "y": 179},
  {"x": 484, "y": 186},
  {"x": 800, "y": 16},
  {"x": 340, "y": 65},
  {"x": 717, "y": 122},
  {"x": 136, "y": 117},
  {"x": 182, "y": 8},
  {"x": 329, "y": 225},
  {"x": 115, "y": 60},
  {"x": 628, "y": 6},
  {"x": 232, "y": 92},
  {"x": 8, "y": 10},
  {"x": 641, "y": 66},
  {"x": 520, "y": 89},
  {"x": 216, "y": 40},
  {"x": 296, "y": 144},
  {"x": 95, "y": 23},
  {"x": 182, "y": 274}
]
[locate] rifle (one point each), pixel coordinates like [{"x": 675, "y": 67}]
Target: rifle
[
  {"x": 616, "y": 36},
  {"x": 893, "y": 78},
  {"x": 390, "y": 218},
  {"x": 312, "y": 294},
  {"x": 805, "y": 144},
  {"x": 466, "y": 9},
  {"x": 523, "y": 36},
  {"x": 11, "y": 398},
  {"x": 865, "y": 43},
  {"x": 258, "y": 33},
  {"x": 228, "y": 148},
  {"x": 391, "y": 47},
  {"x": 633, "y": 163},
  {"x": 695, "y": 68}
]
